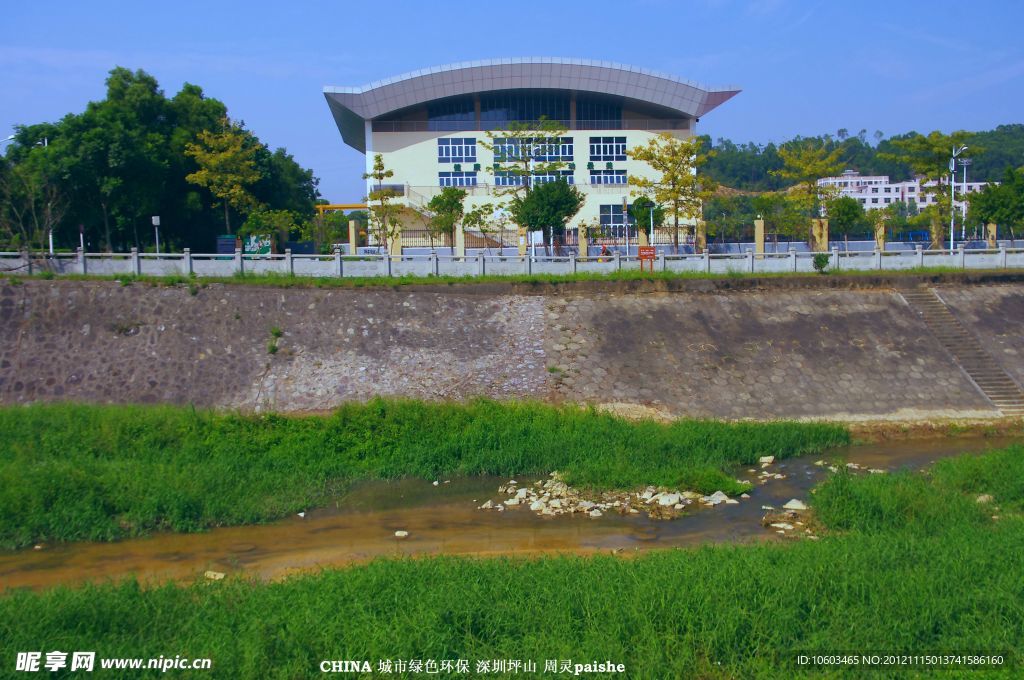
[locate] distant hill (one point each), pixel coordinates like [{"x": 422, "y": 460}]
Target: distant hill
[{"x": 748, "y": 166}]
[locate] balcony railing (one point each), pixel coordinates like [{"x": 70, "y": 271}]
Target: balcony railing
[{"x": 468, "y": 125}]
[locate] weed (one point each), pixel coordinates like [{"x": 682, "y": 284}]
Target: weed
[{"x": 67, "y": 471}]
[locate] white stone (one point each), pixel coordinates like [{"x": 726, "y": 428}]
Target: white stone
[
  {"x": 766, "y": 460},
  {"x": 717, "y": 497},
  {"x": 731, "y": 501},
  {"x": 744, "y": 495},
  {"x": 794, "y": 504},
  {"x": 596, "y": 513},
  {"x": 301, "y": 514},
  {"x": 984, "y": 498},
  {"x": 512, "y": 501},
  {"x": 669, "y": 499},
  {"x": 487, "y": 506},
  {"x": 436, "y": 482},
  {"x": 401, "y": 534},
  {"x": 782, "y": 525},
  {"x": 214, "y": 575},
  {"x": 521, "y": 494},
  {"x": 537, "y": 506}
]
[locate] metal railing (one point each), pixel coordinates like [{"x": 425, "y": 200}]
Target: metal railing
[{"x": 368, "y": 263}]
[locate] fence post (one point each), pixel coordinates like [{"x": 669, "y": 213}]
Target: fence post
[
  {"x": 337, "y": 263},
  {"x": 920, "y": 256},
  {"x": 387, "y": 258},
  {"x": 792, "y": 259},
  {"x": 574, "y": 258},
  {"x": 878, "y": 259},
  {"x": 750, "y": 260},
  {"x": 28, "y": 260},
  {"x": 289, "y": 263},
  {"x": 136, "y": 262},
  {"x": 188, "y": 262},
  {"x": 835, "y": 258},
  {"x": 239, "y": 267},
  {"x": 707, "y": 261},
  {"x": 480, "y": 264},
  {"x": 960, "y": 256},
  {"x": 1002, "y": 256},
  {"x": 82, "y": 267},
  {"x": 529, "y": 263},
  {"x": 662, "y": 262},
  {"x": 618, "y": 262}
]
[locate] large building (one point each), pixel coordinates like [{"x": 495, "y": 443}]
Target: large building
[{"x": 429, "y": 126}]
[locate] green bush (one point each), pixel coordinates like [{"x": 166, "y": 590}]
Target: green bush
[{"x": 821, "y": 262}]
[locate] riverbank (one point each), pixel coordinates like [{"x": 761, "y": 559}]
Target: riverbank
[
  {"x": 79, "y": 472},
  {"x": 908, "y": 564}
]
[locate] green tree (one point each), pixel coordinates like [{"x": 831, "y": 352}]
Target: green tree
[
  {"x": 1002, "y": 204},
  {"x": 278, "y": 224},
  {"x": 642, "y": 210},
  {"x": 548, "y": 207},
  {"x": 804, "y": 162},
  {"x": 227, "y": 167},
  {"x": 31, "y": 201},
  {"x": 385, "y": 213},
  {"x": 928, "y": 156},
  {"x": 846, "y": 216},
  {"x": 447, "y": 210},
  {"x": 677, "y": 186}
]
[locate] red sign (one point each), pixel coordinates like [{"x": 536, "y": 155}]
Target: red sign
[{"x": 646, "y": 253}]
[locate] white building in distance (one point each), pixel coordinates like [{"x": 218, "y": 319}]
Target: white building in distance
[{"x": 876, "y": 192}]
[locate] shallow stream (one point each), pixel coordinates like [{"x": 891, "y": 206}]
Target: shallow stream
[{"x": 445, "y": 519}]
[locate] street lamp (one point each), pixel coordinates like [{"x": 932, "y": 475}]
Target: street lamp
[
  {"x": 964, "y": 162},
  {"x": 952, "y": 188}
]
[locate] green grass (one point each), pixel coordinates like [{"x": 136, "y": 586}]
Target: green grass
[
  {"x": 71, "y": 472},
  {"x": 713, "y": 612},
  {"x": 286, "y": 281}
]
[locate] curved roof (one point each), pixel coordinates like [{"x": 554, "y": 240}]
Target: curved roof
[{"x": 352, "y": 106}]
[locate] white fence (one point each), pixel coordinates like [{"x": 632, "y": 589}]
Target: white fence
[{"x": 338, "y": 265}]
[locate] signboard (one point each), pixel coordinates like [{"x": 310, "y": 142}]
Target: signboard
[
  {"x": 646, "y": 254},
  {"x": 257, "y": 244}
]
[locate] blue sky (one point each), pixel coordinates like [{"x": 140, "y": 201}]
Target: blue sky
[{"x": 805, "y": 67}]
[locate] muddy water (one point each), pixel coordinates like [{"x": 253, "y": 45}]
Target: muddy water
[{"x": 442, "y": 519}]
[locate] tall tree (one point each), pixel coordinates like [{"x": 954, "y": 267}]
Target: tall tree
[
  {"x": 846, "y": 216},
  {"x": 548, "y": 207},
  {"x": 385, "y": 214},
  {"x": 227, "y": 167},
  {"x": 446, "y": 212},
  {"x": 804, "y": 162},
  {"x": 929, "y": 156},
  {"x": 677, "y": 185}
]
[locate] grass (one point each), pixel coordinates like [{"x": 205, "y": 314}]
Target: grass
[
  {"x": 286, "y": 281},
  {"x": 714, "y": 612},
  {"x": 70, "y": 472}
]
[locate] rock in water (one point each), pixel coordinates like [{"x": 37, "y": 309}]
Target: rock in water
[
  {"x": 794, "y": 504},
  {"x": 596, "y": 513},
  {"x": 766, "y": 460},
  {"x": 401, "y": 534},
  {"x": 214, "y": 575},
  {"x": 716, "y": 498},
  {"x": 669, "y": 499},
  {"x": 537, "y": 506}
]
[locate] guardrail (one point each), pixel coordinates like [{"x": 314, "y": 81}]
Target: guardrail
[{"x": 373, "y": 265}]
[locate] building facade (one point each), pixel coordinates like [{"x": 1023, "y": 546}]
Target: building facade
[
  {"x": 433, "y": 127},
  {"x": 876, "y": 192}
]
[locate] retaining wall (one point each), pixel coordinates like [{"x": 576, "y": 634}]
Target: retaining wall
[{"x": 704, "y": 349}]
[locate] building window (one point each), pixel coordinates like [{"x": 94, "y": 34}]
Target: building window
[
  {"x": 551, "y": 150},
  {"x": 457, "y": 179},
  {"x": 888, "y": 190},
  {"x": 608, "y": 177},
  {"x": 607, "y": 148},
  {"x": 595, "y": 114},
  {"x": 874, "y": 200},
  {"x": 504, "y": 178},
  {"x": 545, "y": 177},
  {"x": 451, "y": 114},
  {"x": 911, "y": 189},
  {"x": 501, "y": 108},
  {"x": 612, "y": 218},
  {"x": 863, "y": 201},
  {"x": 874, "y": 190},
  {"x": 888, "y": 200},
  {"x": 456, "y": 150}
]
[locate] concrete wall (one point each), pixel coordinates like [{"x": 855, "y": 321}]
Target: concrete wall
[{"x": 776, "y": 352}]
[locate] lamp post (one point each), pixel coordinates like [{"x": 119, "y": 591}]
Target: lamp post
[
  {"x": 952, "y": 189},
  {"x": 964, "y": 162},
  {"x": 156, "y": 232}
]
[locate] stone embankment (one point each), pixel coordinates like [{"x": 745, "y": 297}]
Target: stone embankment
[{"x": 850, "y": 349}]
